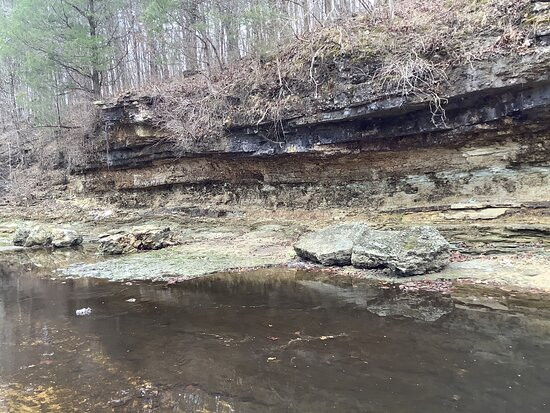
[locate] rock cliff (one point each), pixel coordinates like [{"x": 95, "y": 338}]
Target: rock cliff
[{"x": 488, "y": 145}]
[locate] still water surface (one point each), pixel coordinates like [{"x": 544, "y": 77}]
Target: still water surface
[{"x": 268, "y": 342}]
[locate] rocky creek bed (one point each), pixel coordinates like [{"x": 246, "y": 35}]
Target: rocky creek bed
[
  {"x": 229, "y": 318},
  {"x": 490, "y": 253},
  {"x": 268, "y": 340}
]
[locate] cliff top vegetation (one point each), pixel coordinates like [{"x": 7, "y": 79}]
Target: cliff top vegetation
[{"x": 408, "y": 51}]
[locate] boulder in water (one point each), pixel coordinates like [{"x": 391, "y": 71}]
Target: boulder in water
[
  {"x": 63, "y": 237},
  {"x": 413, "y": 251},
  {"x": 21, "y": 235},
  {"x": 332, "y": 245}
]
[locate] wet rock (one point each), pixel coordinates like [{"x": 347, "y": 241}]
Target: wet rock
[
  {"x": 114, "y": 244},
  {"x": 42, "y": 236},
  {"x": 137, "y": 239},
  {"x": 332, "y": 245},
  {"x": 413, "y": 251}
]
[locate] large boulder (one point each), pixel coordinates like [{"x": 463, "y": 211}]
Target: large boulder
[
  {"x": 63, "y": 237},
  {"x": 332, "y": 245},
  {"x": 39, "y": 236},
  {"x": 413, "y": 251},
  {"x": 44, "y": 236},
  {"x": 137, "y": 239}
]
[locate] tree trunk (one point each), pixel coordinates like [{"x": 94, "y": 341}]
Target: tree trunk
[
  {"x": 96, "y": 75},
  {"x": 190, "y": 40},
  {"x": 15, "y": 116}
]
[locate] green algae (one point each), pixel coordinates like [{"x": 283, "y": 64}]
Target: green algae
[
  {"x": 187, "y": 261},
  {"x": 205, "y": 253}
]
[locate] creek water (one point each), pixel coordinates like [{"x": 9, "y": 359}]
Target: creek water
[{"x": 268, "y": 342}]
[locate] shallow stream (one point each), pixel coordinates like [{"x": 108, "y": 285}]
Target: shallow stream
[{"x": 268, "y": 341}]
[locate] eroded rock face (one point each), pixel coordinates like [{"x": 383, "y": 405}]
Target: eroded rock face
[
  {"x": 42, "y": 236},
  {"x": 412, "y": 251},
  {"x": 359, "y": 149},
  {"x": 137, "y": 239}
]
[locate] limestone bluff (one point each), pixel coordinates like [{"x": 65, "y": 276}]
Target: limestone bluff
[{"x": 491, "y": 149}]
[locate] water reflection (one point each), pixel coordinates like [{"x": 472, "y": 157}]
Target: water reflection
[{"x": 266, "y": 342}]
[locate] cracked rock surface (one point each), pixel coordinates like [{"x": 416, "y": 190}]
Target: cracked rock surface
[{"x": 412, "y": 251}]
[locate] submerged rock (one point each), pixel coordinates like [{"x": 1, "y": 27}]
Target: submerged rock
[
  {"x": 413, "y": 251},
  {"x": 332, "y": 245},
  {"x": 43, "y": 236},
  {"x": 137, "y": 239}
]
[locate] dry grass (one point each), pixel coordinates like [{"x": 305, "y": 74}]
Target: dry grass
[
  {"x": 409, "y": 55},
  {"x": 77, "y": 146},
  {"x": 50, "y": 155}
]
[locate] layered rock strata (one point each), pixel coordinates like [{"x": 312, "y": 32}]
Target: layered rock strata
[{"x": 366, "y": 151}]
